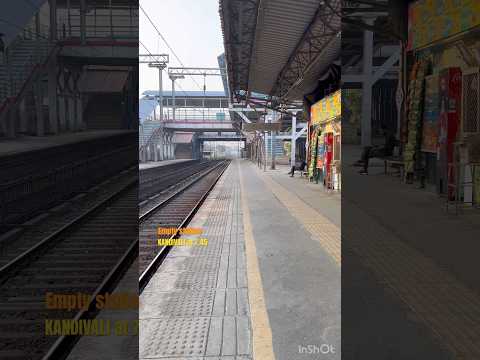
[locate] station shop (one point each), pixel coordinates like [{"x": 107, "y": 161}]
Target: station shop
[
  {"x": 324, "y": 142},
  {"x": 440, "y": 133}
]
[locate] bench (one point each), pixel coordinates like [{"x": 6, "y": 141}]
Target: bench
[{"x": 394, "y": 162}]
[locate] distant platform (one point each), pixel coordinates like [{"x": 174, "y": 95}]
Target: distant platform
[
  {"x": 153, "y": 164},
  {"x": 24, "y": 144}
]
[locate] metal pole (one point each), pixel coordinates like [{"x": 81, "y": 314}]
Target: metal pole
[
  {"x": 83, "y": 28},
  {"x": 366, "y": 122},
  {"x": 160, "y": 92},
  {"x": 173, "y": 99},
  {"x": 294, "y": 131},
  {"x": 265, "y": 151},
  {"x": 274, "y": 117}
]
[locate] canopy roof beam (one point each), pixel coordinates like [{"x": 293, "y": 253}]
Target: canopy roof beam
[{"x": 324, "y": 26}]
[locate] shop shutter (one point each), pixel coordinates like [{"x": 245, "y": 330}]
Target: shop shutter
[{"x": 471, "y": 101}]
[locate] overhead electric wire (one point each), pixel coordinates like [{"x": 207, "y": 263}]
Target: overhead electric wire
[
  {"x": 185, "y": 93},
  {"x": 168, "y": 45}
]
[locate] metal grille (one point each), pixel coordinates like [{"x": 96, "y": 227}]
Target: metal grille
[{"x": 470, "y": 102}]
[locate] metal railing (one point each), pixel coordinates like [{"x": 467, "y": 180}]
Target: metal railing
[{"x": 115, "y": 22}]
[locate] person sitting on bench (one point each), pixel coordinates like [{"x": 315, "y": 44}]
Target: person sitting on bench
[
  {"x": 299, "y": 167},
  {"x": 377, "y": 151}
]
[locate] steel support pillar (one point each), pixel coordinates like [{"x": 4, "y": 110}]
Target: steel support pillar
[
  {"x": 11, "y": 118},
  {"x": 160, "y": 92},
  {"x": 173, "y": 99},
  {"x": 366, "y": 121},
  {"x": 294, "y": 138},
  {"x": 272, "y": 140},
  {"x": 83, "y": 15},
  {"x": 71, "y": 112},
  {"x": 38, "y": 96},
  {"x": 53, "y": 19},
  {"x": 52, "y": 96}
]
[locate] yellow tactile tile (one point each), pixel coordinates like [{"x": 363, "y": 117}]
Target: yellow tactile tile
[
  {"x": 320, "y": 228},
  {"x": 448, "y": 308},
  {"x": 262, "y": 332}
]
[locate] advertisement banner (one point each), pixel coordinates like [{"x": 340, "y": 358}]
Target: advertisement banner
[
  {"x": 326, "y": 109},
  {"x": 431, "y": 115},
  {"x": 433, "y": 20}
]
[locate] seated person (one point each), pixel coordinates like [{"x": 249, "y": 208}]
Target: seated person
[
  {"x": 377, "y": 151},
  {"x": 298, "y": 166}
]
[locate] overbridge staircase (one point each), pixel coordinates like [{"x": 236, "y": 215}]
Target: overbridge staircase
[{"x": 22, "y": 65}]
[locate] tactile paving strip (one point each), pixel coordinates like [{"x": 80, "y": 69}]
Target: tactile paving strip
[
  {"x": 177, "y": 303},
  {"x": 319, "y": 227},
  {"x": 173, "y": 337},
  {"x": 448, "y": 308},
  {"x": 196, "y": 305}
]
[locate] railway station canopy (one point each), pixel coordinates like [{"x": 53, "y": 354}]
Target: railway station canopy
[{"x": 279, "y": 48}]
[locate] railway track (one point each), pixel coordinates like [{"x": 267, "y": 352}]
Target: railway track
[
  {"x": 153, "y": 181},
  {"x": 172, "y": 211},
  {"x": 88, "y": 255}
]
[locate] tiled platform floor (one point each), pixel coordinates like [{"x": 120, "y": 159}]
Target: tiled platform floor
[
  {"x": 196, "y": 306},
  {"x": 420, "y": 256}
]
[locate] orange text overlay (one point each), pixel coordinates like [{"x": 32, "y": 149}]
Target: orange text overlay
[
  {"x": 183, "y": 231},
  {"x": 182, "y": 242},
  {"x": 82, "y": 301},
  {"x": 91, "y": 327}
]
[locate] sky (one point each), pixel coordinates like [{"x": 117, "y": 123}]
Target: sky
[{"x": 192, "y": 29}]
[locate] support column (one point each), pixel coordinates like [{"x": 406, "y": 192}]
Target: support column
[
  {"x": 173, "y": 98},
  {"x": 83, "y": 28},
  {"x": 23, "y": 115},
  {"x": 155, "y": 151},
  {"x": 161, "y": 143},
  {"x": 53, "y": 19},
  {"x": 272, "y": 140},
  {"x": 71, "y": 112},
  {"x": 38, "y": 99},
  {"x": 11, "y": 118},
  {"x": 164, "y": 148},
  {"x": 293, "y": 147},
  {"x": 52, "y": 96},
  {"x": 366, "y": 122},
  {"x": 77, "y": 95}
]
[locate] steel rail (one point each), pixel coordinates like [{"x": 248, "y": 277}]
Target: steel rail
[
  {"x": 15, "y": 263},
  {"x": 181, "y": 189},
  {"x": 158, "y": 259},
  {"x": 64, "y": 344}
]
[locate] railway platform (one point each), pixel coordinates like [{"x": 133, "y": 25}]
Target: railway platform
[
  {"x": 266, "y": 286},
  {"x": 24, "y": 144},
  {"x": 154, "y": 164},
  {"x": 418, "y": 262}
]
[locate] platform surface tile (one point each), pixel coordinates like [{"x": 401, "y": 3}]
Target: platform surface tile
[
  {"x": 29, "y": 143},
  {"x": 298, "y": 251},
  {"x": 153, "y": 164},
  {"x": 225, "y": 301},
  {"x": 422, "y": 258},
  {"x": 196, "y": 306},
  {"x": 113, "y": 346}
]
